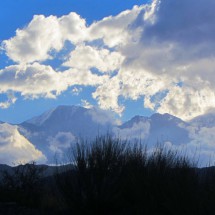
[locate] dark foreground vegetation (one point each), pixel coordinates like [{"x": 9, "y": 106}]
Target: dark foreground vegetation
[{"x": 111, "y": 177}]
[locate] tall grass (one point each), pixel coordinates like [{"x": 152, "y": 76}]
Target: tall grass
[{"x": 116, "y": 177}]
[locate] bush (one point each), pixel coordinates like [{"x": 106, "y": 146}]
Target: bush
[
  {"x": 116, "y": 177},
  {"x": 110, "y": 176}
]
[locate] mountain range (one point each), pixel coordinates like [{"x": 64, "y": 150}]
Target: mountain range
[{"x": 49, "y": 136}]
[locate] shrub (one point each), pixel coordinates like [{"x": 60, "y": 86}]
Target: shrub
[{"x": 111, "y": 176}]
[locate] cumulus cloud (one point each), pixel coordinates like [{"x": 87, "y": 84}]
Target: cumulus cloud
[
  {"x": 86, "y": 104},
  {"x": 76, "y": 91},
  {"x": 87, "y": 57},
  {"x": 36, "y": 80},
  {"x": 138, "y": 131},
  {"x": 113, "y": 30},
  {"x": 161, "y": 52},
  {"x": 173, "y": 74},
  {"x": 102, "y": 117},
  {"x": 176, "y": 46},
  {"x": 201, "y": 148},
  {"x": 32, "y": 80},
  {"x": 61, "y": 141},
  {"x": 191, "y": 101},
  {"x": 11, "y": 99},
  {"x": 42, "y": 36},
  {"x": 107, "y": 95},
  {"x": 15, "y": 148}
]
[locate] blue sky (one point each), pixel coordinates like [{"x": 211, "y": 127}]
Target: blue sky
[
  {"x": 155, "y": 57},
  {"x": 17, "y": 13}
]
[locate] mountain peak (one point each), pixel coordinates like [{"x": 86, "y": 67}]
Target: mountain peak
[
  {"x": 165, "y": 116},
  {"x": 135, "y": 120},
  {"x": 39, "y": 120},
  {"x": 61, "y": 109},
  {"x": 69, "y": 107}
]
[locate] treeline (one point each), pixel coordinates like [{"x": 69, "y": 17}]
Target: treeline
[{"x": 111, "y": 177}]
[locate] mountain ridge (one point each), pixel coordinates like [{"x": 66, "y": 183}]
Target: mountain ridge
[{"x": 54, "y": 131}]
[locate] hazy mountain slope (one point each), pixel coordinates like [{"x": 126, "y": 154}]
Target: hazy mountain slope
[
  {"x": 55, "y": 130},
  {"x": 158, "y": 128},
  {"x": 206, "y": 120},
  {"x": 78, "y": 120}
]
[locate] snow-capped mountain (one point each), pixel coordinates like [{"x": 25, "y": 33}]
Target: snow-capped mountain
[
  {"x": 56, "y": 130},
  {"x": 158, "y": 128},
  {"x": 78, "y": 120}
]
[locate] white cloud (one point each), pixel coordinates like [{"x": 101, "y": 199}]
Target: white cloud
[
  {"x": 113, "y": 30},
  {"x": 32, "y": 80},
  {"x": 179, "y": 52},
  {"x": 87, "y": 57},
  {"x": 200, "y": 148},
  {"x": 84, "y": 77},
  {"x": 76, "y": 91},
  {"x": 172, "y": 77},
  {"x": 107, "y": 95},
  {"x": 11, "y": 99},
  {"x": 138, "y": 131},
  {"x": 36, "y": 80},
  {"x": 86, "y": 104},
  {"x": 73, "y": 28},
  {"x": 162, "y": 52},
  {"x": 35, "y": 41},
  {"x": 42, "y": 36},
  {"x": 61, "y": 141},
  {"x": 15, "y": 148},
  {"x": 102, "y": 116},
  {"x": 185, "y": 102}
]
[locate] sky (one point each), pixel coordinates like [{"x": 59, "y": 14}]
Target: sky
[{"x": 130, "y": 57}]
